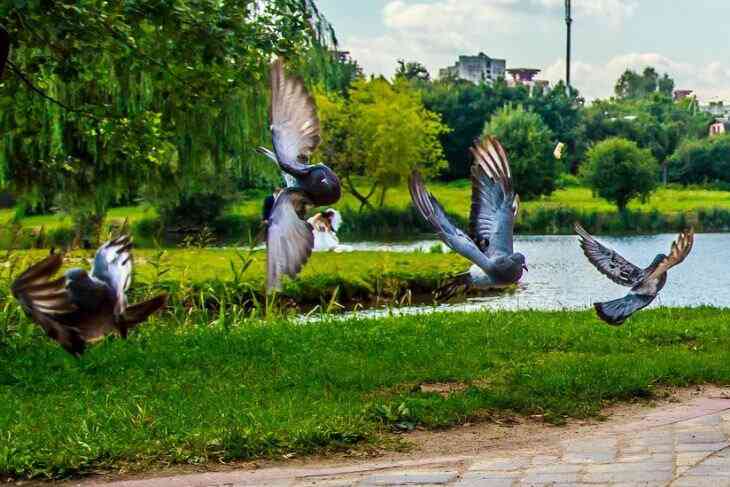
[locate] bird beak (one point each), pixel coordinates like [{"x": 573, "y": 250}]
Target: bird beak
[{"x": 524, "y": 266}]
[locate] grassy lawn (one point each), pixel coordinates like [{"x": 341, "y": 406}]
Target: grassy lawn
[
  {"x": 353, "y": 277},
  {"x": 456, "y": 198},
  {"x": 204, "y": 392}
]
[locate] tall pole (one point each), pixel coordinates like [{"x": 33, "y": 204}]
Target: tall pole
[{"x": 568, "y": 23}]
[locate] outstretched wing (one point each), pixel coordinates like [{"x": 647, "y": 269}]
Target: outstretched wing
[
  {"x": 113, "y": 266},
  {"x": 607, "y": 261},
  {"x": 494, "y": 203},
  {"x": 679, "y": 251},
  {"x": 294, "y": 121},
  {"x": 44, "y": 299},
  {"x": 289, "y": 239},
  {"x": 452, "y": 236},
  {"x": 35, "y": 290}
]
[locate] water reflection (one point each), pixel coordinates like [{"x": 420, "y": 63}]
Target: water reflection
[{"x": 560, "y": 277}]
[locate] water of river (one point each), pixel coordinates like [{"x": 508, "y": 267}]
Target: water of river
[{"x": 560, "y": 277}]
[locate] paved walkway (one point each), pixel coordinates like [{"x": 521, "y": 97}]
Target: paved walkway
[{"x": 679, "y": 445}]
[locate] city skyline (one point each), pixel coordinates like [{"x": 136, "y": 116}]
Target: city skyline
[{"x": 608, "y": 36}]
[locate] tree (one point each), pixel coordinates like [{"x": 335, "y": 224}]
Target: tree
[
  {"x": 655, "y": 122},
  {"x": 412, "y": 71},
  {"x": 619, "y": 171},
  {"x": 561, "y": 111},
  {"x": 666, "y": 85},
  {"x": 529, "y": 144},
  {"x": 632, "y": 85},
  {"x": 464, "y": 107},
  {"x": 702, "y": 161},
  {"x": 382, "y": 132},
  {"x": 113, "y": 99}
]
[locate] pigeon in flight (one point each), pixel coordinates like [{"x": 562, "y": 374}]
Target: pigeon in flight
[
  {"x": 494, "y": 207},
  {"x": 645, "y": 284},
  {"x": 295, "y": 136},
  {"x": 80, "y": 307}
]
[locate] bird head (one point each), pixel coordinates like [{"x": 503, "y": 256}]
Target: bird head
[{"x": 521, "y": 260}]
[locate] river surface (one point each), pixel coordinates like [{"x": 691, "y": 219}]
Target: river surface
[{"x": 560, "y": 277}]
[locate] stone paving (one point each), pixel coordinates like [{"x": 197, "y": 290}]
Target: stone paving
[{"x": 680, "y": 446}]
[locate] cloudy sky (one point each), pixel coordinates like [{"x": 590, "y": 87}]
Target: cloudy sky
[{"x": 687, "y": 38}]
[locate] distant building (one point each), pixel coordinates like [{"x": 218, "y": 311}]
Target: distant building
[
  {"x": 682, "y": 94},
  {"x": 477, "y": 69},
  {"x": 526, "y": 77},
  {"x": 718, "y": 109},
  {"x": 523, "y": 76},
  {"x": 719, "y": 127}
]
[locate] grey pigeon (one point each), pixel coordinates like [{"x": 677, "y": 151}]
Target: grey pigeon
[
  {"x": 493, "y": 210},
  {"x": 295, "y": 135},
  {"x": 80, "y": 307},
  {"x": 645, "y": 284}
]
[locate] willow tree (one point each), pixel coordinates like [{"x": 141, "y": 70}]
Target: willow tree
[{"x": 107, "y": 100}]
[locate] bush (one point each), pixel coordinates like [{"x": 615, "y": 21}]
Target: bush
[
  {"x": 192, "y": 212},
  {"x": 529, "y": 145},
  {"x": 619, "y": 171},
  {"x": 702, "y": 161}
]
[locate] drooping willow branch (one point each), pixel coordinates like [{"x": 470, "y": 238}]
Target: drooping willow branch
[{"x": 46, "y": 96}]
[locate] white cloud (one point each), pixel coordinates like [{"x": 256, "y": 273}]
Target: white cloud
[
  {"x": 710, "y": 81},
  {"x": 436, "y": 32}
]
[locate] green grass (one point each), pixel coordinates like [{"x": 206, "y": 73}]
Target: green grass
[
  {"x": 205, "y": 392},
  {"x": 456, "y": 197},
  {"x": 669, "y": 209},
  {"x": 207, "y": 274}
]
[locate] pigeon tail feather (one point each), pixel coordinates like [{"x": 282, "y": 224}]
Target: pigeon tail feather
[{"x": 619, "y": 310}]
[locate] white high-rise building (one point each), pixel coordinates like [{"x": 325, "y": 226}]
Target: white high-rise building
[{"x": 477, "y": 69}]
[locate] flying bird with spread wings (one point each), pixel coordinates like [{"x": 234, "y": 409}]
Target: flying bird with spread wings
[
  {"x": 81, "y": 307},
  {"x": 295, "y": 133},
  {"x": 493, "y": 210},
  {"x": 645, "y": 283}
]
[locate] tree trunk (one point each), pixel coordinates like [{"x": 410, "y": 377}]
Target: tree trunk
[
  {"x": 364, "y": 200},
  {"x": 381, "y": 199}
]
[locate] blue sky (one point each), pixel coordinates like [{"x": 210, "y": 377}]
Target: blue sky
[{"x": 687, "y": 38}]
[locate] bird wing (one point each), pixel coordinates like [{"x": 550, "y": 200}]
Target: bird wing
[
  {"x": 35, "y": 290},
  {"x": 289, "y": 239},
  {"x": 43, "y": 299},
  {"x": 451, "y": 235},
  {"x": 294, "y": 121},
  {"x": 113, "y": 267},
  {"x": 494, "y": 204},
  {"x": 608, "y": 261},
  {"x": 679, "y": 251}
]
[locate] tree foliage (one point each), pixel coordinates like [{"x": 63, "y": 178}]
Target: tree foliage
[
  {"x": 412, "y": 71},
  {"x": 382, "y": 131},
  {"x": 656, "y": 123},
  {"x": 632, "y": 85},
  {"x": 702, "y": 161},
  {"x": 529, "y": 145},
  {"x": 108, "y": 99},
  {"x": 618, "y": 170},
  {"x": 465, "y": 106}
]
